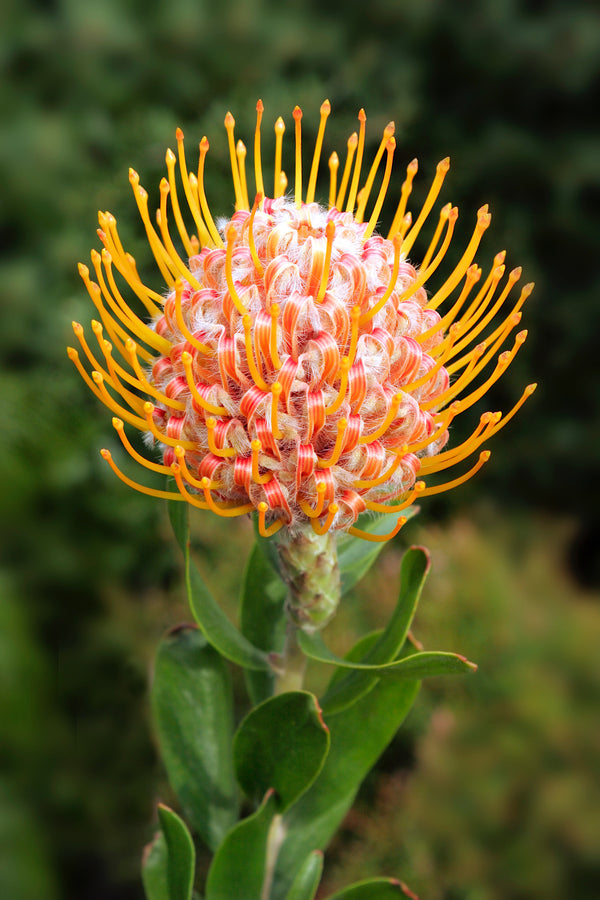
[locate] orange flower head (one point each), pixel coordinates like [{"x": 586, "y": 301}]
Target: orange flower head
[{"x": 296, "y": 364}]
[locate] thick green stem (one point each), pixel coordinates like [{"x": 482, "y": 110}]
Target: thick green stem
[{"x": 293, "y": 663}]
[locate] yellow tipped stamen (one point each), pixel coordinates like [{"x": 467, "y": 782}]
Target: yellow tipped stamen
[
  {"x": 74, "y": 357},
  {"x": 385, "y": 508},
  {"x": 388, "y": 132},
  {"x": 473, "y": 276},
  {"x": 274, "y": 312},
  {"x": 343, "y": 373},
  {"x": 112, "y": 404},
  {"x": 163, "y": 438},
  {"x": 334, "y": 163},
  {"x": 390, "y": 147},
  {"x": 152, "y": 492},
  {"x": 389, "y": 418},
  {"x": 115, "y": 379},
  {"x": 451, "y": 457},
  {"x": 504, "y": 361},
  {"x": 237, "y": 187},
  {"x": 312, "y": 180},
  {"x": 161, "y": 217},
  {"x": 332, "y": 511},
  {"x": 170, "y": 160},
  {"x": 257, "y": 263},
  {"x": 80, "y": 335},
  {"x": 125, "y": 264},
  {"x": 228, "y": 512},
  {"x": 148, "y": 464},
  {"x": 525, "y": 292},
  {"x": 283, "y": 183},
  {"x": 276, "y": 390},
  {"x": 358, "y": 216},
  {"x": 449, "y": 485},
  {"x": 240, "y": 152},
  {"x": 385, "y": 476},
  {"x": 359, "y": 155},
  {"x": 329, "y": 234},
  {"x": 183, "y": 467},
  {"x": 397, "y": 241},
  {"x": 442, "y": 426},
  {"x": 483, "y": 221},
  {"x": 231, "y": 236},
  {"x": 258, "y": 175},
  {"x": 272, "y": 529},
  {"x": 179, "y": 469},
  {"x": 203, "y": 348},
  {"x": 307, "y": 509},
  {"x": 436, "y": 186},
  {"x": 279, "y": 130},
  {"x": 448, "y": 343},
  {"x": 257, "y": 478},
  {"x": 163, "y": 261},
  {"x": 351, "y": 145},
  {"x": 298, "y": 133},
  {"x": 355, "y": 321},
  {"x": 187, "y": 360},
  {"x": 529, "y": 390},
  {"x": 117, "y": 334},
  {"x": 411, "y": 171},
  {"x": 338, "y": 446},
  {"x": 459, "y": 384},
  {"x": 216, "y": 238},
  {"x": 189, "y": 194},
  {"x": 378, "y": 538},
  {"x": 257, "y": 378},
  {"x": 148, "y": 335},
  {"x": 436, "y": 235},
  {"x": 498, "y": 338},
  {"x": 211, "y": 424}
]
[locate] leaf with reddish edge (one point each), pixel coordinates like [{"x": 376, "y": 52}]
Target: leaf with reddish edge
[
  {"x": 374, "y": 889},
  {"x": 168, "y": 864},
  {"x": 281, "y": 744}
]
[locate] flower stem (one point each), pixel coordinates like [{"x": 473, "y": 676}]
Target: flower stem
[{"x": 293, "y": 663}]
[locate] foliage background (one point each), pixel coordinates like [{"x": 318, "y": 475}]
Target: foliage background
[{"x": 489, "y": 792}]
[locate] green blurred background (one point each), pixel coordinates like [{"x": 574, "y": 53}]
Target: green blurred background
[{"x": 491, "y": 791}]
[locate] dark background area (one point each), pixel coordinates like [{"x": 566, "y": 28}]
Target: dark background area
[{"x": 89, "y": 576}]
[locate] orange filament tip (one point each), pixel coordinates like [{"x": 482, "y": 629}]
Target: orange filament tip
[{"x": 297, "y": 114}]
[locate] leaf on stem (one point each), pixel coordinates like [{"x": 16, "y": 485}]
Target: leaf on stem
[
  {"x": 208, "y": 614},
  {"x": 281, "y": 744},
  {"x": 238, "y": 867},
  {"x": 168, "y": 864},
  {"x": 192, "y": 707}
]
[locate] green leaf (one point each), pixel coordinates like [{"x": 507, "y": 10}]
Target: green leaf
[
  {"x": 192, "y": 707},
  {"x": 176, "y": 854},
  {"x": 430, "y": 663},
  {"x": 281, "y": 744},
  {"x": 154, "y": 869},
  {"x": 355, "y": 555},
  {"x": 262, "y": 617},
  {"x": 307, "y": 880},
  {"x": 238, "y": 868},
  {"x": 359, "y": 735},
  {"x": 379, "y": 659},
  {"x": 373, "y": 889},
  {"x": 210, "y": 617}
]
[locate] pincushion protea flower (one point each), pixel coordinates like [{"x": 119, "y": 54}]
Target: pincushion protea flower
[{"x": 296, "y": 364}]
